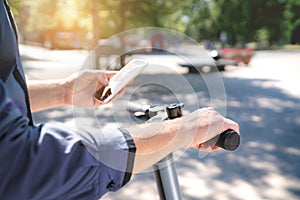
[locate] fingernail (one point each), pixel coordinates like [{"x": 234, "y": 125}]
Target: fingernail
[{"x": 105, "y": 80}]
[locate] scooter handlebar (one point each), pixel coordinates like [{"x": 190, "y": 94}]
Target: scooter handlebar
[
  {"x": 135, "y": 107},
  {"x": 228, "y": 140}
]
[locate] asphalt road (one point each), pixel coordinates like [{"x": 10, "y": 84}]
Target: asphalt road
[{"x": 264, "y": 98}]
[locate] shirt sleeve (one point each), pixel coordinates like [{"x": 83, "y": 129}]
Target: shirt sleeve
[{"x": 50, "y": 162}]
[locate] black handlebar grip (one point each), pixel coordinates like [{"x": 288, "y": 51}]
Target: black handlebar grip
[{"x": 229, "y": 140}]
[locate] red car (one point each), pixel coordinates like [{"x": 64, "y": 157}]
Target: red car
[{"x": 236, "y": 54}]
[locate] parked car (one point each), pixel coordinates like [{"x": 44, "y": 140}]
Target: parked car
[
  {"x": 222, "y": 57},
  {"x": 240, "y": 55}
]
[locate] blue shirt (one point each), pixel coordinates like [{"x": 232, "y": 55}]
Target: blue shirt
[{"x": 47, "y": 162}]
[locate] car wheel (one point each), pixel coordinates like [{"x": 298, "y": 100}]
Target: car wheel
[
  {"x": 221, "y": 67},
  {"x": 193, "y": 70}
]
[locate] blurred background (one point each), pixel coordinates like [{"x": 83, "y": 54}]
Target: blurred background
[
  {"x": 262, "y": 93},
  {"x": 78, "y": 24}
]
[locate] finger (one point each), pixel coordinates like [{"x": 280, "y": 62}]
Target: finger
[
  {"x": 230, "y": 124},
  {"x": 120, "y": 93},
  {"x": 207, "y": 147},
  {"x": 110, "y": 74},
  {"x": 131, "y": 82},
  {"x": 103, "y": 80},
  {"x": 99, "y": 93},
  {"x": 97, "y": 103}
]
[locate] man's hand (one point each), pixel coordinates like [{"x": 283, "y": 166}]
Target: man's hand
[
  {"x": 80, "y": 88},
  {"x": 156, "y": 140},
  {"x": 203, "y": 125}
]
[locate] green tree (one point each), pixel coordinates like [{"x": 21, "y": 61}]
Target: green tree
[
  {"x": 291, "y": 24},
  {"x": 119, "y": 15},
  {"x": 202, "y": 15},
  {"x": 41, "y": 17}
]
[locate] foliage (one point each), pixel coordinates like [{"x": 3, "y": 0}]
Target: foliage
[
  {"x": 274, "y": 21},
  {"x": 291, "y": 17}
]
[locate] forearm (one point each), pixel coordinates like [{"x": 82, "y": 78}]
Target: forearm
[
  {"x": 155, "y": 141},
  {"x": 46, "y": 94}
]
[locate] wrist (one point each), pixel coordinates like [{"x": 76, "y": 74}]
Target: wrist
[
  {"x": 183, "y": 137},
  {"x": 67, "y": 91},
  {"x": 152, "y": 137},
  {"x": 40, "y": 91}
]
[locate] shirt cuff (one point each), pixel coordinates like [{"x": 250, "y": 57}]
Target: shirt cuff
[
  {"x": 131, "y": 155},
  {"x": 113, "y": 147}
]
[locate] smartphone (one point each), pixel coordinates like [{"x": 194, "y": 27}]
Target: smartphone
[{"x": 120, "y": 80}]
